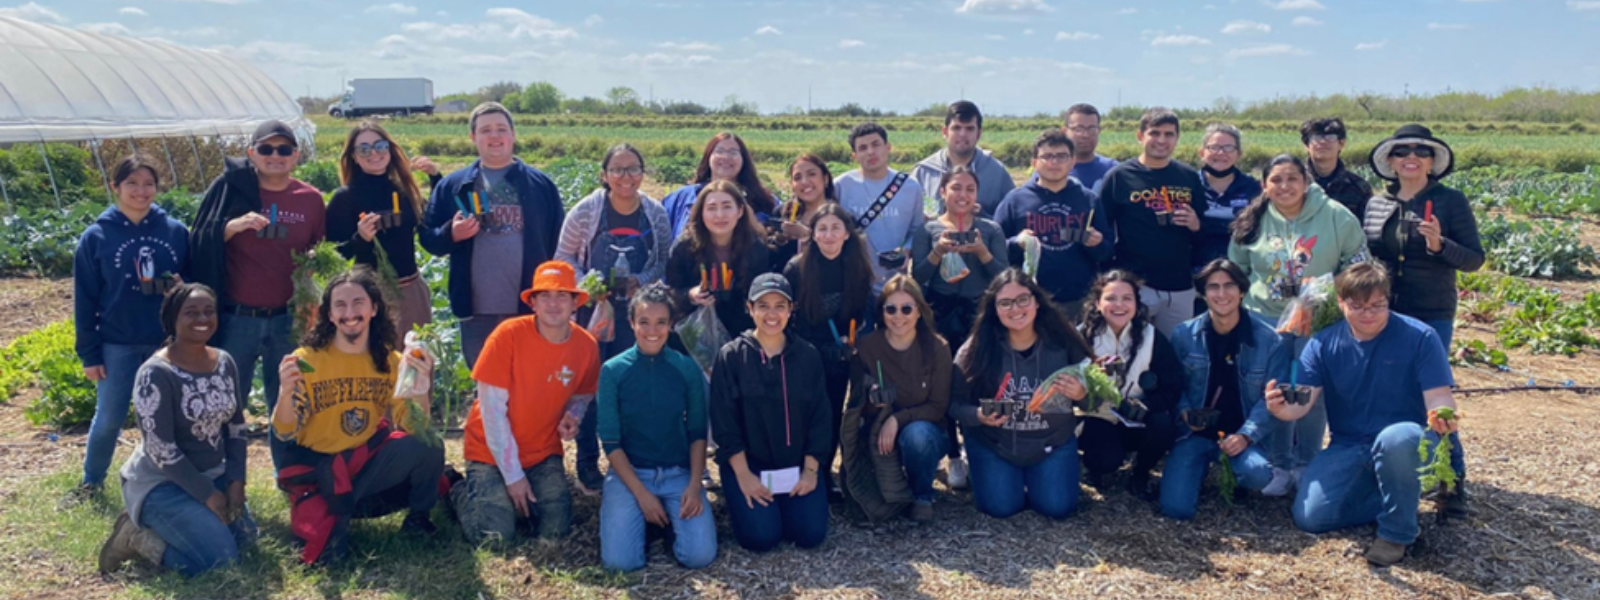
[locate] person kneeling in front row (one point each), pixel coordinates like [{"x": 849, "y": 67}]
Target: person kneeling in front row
[
  {"x": 347, "y": 454},
  {"x": 1384, "y": 377},
  {"x": 1228, "y": 354},
  {"x": 651, "y": 420}
]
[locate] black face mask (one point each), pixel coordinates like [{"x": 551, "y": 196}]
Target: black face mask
[{"x": 1219, "y": 174}]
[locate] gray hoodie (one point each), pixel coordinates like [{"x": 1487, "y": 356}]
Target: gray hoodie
[{"x": 993, "y": 179}]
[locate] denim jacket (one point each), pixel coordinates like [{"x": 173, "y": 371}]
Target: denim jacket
[{"x": 1261, "y": 359}]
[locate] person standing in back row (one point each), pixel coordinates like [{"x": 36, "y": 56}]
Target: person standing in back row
[
  {"x": 497, "y": 208},
  {"x": 1082, "y": 124},
  {"x": 963, "y": 126},
  {"x": 254, "y": 219},
  {"x": 1057, "y": 212},
  {"x": 887, "y": 203},
  {"x": 1324, "y": 139},
  {"x": 1154, "y": 204}
]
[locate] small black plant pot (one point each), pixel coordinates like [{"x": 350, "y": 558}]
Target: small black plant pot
[{"x": 1296, "y": 394}]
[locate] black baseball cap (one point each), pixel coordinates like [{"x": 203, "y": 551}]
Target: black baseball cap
[
  {"x": 271, "y": 129},
  {"x": 770, "y": 282}
]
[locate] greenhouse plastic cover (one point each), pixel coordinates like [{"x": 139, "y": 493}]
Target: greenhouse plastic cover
[{"x": 59, "y": 84}]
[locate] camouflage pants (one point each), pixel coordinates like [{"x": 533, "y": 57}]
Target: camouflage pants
[{"x": 487, "y": 514}]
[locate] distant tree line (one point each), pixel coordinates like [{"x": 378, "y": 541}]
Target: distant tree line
[{"x": 1539, "y": 105}]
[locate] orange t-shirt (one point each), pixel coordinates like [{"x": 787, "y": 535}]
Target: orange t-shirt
[{"x": 540, "y": 377}]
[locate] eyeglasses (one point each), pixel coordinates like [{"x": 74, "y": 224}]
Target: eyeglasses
[
  {"x": 1370, "y": 309},
  {"x": 725, "y": 152},
  {"x": 1084, "y": 128},
  {"x": 1404, "y": 151},
  {"x": 905, "y": 309},
  {"x": 626, "y": 172},
  {"x": 1020, "y": 302},
  {"x": 1325, "y": 138},
  {"x": 285, "y": 150},
  {"x": 364, "y": 150},
  {"x": 1056, "y": 157},
  {"x": 1224, "y": 148}
]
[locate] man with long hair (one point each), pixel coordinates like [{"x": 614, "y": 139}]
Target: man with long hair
[{"x": 346, "y": 454}]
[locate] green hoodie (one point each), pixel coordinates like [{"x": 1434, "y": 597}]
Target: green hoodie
[{"x": 1323, "y": 239}]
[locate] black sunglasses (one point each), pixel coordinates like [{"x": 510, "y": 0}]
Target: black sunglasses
[
  {"x": 285, "y": 150},
  {"x": 905, "y": 309},
  {"x": 1404, "y": 151}
]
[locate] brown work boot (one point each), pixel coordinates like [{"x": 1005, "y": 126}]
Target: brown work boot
[
  {"x": 1384, "y": 553},
  {"x": 130, "y": 542}
]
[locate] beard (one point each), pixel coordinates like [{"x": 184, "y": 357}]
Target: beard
[{"x": 351, "y": 337}]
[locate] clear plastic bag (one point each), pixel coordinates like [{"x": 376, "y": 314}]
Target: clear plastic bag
[
  {"x": 952, "y": 268},
  {"x": 603, "y": 321},
  {"x": 408, "y": 384},
  {"x": 1030, "y": 253},
  {"x": 1101, "y": 390},
  {"x": 1313, "y": 309},
  {"x": 703, "y": 335}
]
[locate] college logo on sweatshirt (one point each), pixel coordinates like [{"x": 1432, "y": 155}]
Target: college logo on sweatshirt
[
  {"x": 1162, "y": 199},
  {"x": 141, "y": 259}
]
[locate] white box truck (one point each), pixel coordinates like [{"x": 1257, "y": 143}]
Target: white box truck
[{"x": 401, "y": 96}]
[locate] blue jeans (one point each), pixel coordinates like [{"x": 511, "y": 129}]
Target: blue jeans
[
  {"x": 197, "y": 541},
  {"x": 112, "y": 396},
  {"x": 1446, "y": 329},
  {"x": 475, "y": 332},
  {"x": 1353, "y": 484},
  {"x": 801, "y": 520},
  {"x": 622, "y": 524},
  {"x": 1186, "y": 470},
  {"x": 1294, "y": 444},
  {"x": 922, "y": 445},
  {"x": 1001, "y": 489},
  {"x": 252, "y": 339}
]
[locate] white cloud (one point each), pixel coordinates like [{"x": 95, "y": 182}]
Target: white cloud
[
  {"x": 1004, "y": 7},
  {"x": 224, "y": 2},
  {"x": 1128, "y": 11},
  {"x": 1446, "y": 26},
  {"x": 1267, "y": 50},
  {"x": 1076, "y": 36},
  {"x": 658, "y": 60},
  {"x": 1180, "y": 40},
  {"x": 1371, "y": 45},
  {"x": 689, "y": 46},
  {"x": 846, "y": 44},
  {"x": 768, "y": 30},
  {"x": 33, "y": 12},
  {"x": 981, "y": 61},
  {"x": 1246, "y": 27},
  {"x": 151, "y": 33},
  {"x": 533, "y": 27},
  {"x": 1296, "y": 5},
  {"x": 132, "y": 10},
  {"x": 593, "y": 21},
  {"x": 1583, "y": 4},
  {"x": 1305, "y": 22},
  {"x": 1027, "y": 32},
  {"x": 394, "y": 39},
  {"x": 393, "y": 8},
  {"x": 1079, "y": 67}
]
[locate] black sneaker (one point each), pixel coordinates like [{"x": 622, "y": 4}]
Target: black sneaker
[
  {"x": 83, "y": 492},
  {"x": 590, "y": 481},
  {"x": 1457, "y": 504},
  {"x": 1143, "y": 488},
  {"x": 418, "y": 523}
]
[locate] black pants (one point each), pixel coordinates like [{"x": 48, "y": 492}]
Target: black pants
[
  {"x": 838, "y": 383},
  {"x": 1106, "y": 446},
  {"x": 403, "y": 474}
]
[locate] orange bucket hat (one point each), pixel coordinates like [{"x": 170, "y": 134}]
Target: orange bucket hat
[{"x": 555, "y": 276}]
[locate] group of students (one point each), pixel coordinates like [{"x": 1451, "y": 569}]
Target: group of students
[{"x": 914, "y": 338}]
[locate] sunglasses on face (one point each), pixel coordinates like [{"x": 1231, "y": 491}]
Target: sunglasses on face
[
  {"x": 364, "y": 150},
  {"x": 905, "y": 309},
  {"x": 1404, "y": 151},
  {"x": 285, "y": 150}
]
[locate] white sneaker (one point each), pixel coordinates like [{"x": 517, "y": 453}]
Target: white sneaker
[
  {"x": 957, "y": 472},
  {"x": 1282, "y": 483}
]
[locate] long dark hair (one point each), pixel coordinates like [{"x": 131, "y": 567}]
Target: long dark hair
[
  {"x": 828, "y": 193},
  {"x": 857, "y": 265},
  {"x": 988, "y": 336},
  {"x": 755, "y": 194},
  {"x": 1246, "y": 227},
  {"x": 382, "y": 336},
  {"x": 172, "y": 304},
  {"x": 745, "y": 232},
  {"x": 1094, "y": 321},
  {"x": 398, "y": 172}
]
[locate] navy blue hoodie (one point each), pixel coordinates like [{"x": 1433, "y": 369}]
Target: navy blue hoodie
[
  {"x": 1066, "y": 267},
  {"x": 108, "y": 305},
  {"x": 542, "y": 215}
]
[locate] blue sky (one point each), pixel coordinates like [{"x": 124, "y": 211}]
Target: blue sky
[{"x": 1010, "y": 56}]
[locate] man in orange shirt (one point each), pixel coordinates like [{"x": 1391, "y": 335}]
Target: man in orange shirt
[{"x": 536, "y": 377}]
